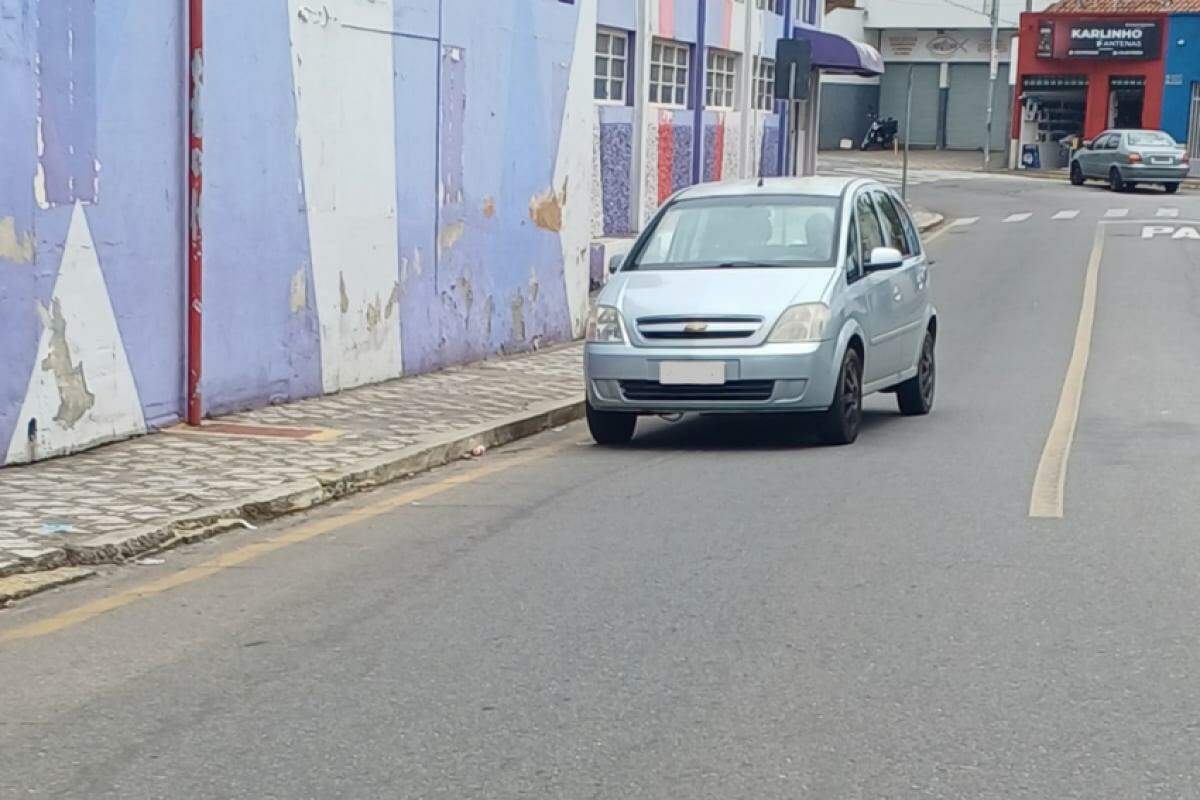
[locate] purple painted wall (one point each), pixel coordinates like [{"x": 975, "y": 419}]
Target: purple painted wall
[{"x": 258, "y": 274}]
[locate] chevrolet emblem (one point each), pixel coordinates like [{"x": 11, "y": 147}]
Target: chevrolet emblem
[{"x": 695, "y": 327}]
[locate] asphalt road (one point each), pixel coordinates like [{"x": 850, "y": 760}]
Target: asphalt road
[{"x": 723, "y": 610}]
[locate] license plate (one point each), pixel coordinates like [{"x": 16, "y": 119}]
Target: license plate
[
  {"x": 691, "y": 373},
  {"x": 1162, "y": 160}
]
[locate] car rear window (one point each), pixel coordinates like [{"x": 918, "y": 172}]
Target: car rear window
[
  {"x": 731, "y": 232},
  {"x": 1150, "y": 139}
]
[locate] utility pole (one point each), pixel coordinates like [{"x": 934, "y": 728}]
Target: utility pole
[
  {"x": 995, "y": 65},
  {"x": 907, "y": 123}
]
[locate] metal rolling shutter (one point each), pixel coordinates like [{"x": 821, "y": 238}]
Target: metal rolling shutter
[
  {"x": 892, "y": 89},
  {"x": 966, "y": 108}
]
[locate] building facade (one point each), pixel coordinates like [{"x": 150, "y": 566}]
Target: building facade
[
  {"x": 1088, "y": 65},
  {"x": 389, "y": 186},
  {"x": 946, "y": 47},
  {"x": 685, "y": 93}
]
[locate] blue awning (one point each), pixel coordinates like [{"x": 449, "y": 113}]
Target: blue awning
[{"x": 834, "y": 53}]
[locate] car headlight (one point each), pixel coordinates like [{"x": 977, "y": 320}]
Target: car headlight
[
  {"x": 604, "y": 325},
  {"x": 803, "y": 323}
]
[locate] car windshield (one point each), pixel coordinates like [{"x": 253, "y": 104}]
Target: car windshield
[
  {"x": 732, "y": 232},
  {"x": 1150, "y": 139}
]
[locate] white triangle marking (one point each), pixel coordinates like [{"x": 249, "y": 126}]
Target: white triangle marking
[{"x": 81, "y": 391}]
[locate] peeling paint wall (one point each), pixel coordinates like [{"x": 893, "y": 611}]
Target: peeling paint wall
[
  {"x": 91, "y": 316},
  {"x": 391, "y": 186}
]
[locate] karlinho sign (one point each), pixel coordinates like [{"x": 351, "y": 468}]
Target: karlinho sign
[{"x": 1114, "y": 39}]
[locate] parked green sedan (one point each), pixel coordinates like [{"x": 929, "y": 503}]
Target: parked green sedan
[{"x": 1126, "y": 158}]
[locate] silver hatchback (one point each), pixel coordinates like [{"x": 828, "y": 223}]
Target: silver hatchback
[{"x": 785, "y": 295}]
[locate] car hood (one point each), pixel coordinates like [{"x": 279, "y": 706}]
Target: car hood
[{"x": 738, "y": 291}]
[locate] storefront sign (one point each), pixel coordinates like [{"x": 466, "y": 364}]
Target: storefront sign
[
  {"x": 1106, "y": 38},
  {"x": 948, "y": 45}
]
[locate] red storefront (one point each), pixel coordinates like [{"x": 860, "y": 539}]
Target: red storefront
[{"x": 1080, "y": 72}]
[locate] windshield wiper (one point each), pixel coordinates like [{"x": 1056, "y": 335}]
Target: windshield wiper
[{"x": 736, "y": 264}]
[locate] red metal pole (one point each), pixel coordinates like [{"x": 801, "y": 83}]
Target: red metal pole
[{"x": 195, "y": 167}]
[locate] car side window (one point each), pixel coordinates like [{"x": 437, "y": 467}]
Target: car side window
[
  {"x": 910, "y": 228},
  {"x": 1112, "y": 142},
  {"x": 869, "y": 231},
  {"x": 854, "y": 269},
  {"x": 893, "y": 228}
]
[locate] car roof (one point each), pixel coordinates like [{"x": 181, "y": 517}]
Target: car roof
[{"x": 814, "y": 186}]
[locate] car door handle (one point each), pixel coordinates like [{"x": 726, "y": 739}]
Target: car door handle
[{"x": 897, "y": 295}]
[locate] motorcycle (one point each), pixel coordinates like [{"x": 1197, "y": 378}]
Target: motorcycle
[{"x": 882, "y": 132}]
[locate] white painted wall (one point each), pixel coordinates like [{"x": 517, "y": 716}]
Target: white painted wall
[
  {"x": 942, "y": 14},
  {"x": 345, "y": 97},
  {"x": 574, "y": 165}
]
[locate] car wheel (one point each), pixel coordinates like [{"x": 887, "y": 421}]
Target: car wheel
[
  {"x": 1171, "y": 188},
  {"x": 915, "y": 395},
  {"x": 611, "y": 427},
  {"x": 1076, "y": 174},
  {"x": 1115, "y": 181},
  {"x": 841, "y": 421}
]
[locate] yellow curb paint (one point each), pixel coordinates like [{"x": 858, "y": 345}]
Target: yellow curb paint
[
  {"x": 1048, "y": 484},
  {"x": 934, "y": 236},
  {"x": 296, "y": 535}
]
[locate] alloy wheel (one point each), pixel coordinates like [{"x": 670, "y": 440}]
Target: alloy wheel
[{"x": 927, "y": 371}]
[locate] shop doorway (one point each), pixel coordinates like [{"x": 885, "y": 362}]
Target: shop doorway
[
  {"x": 1052, "y": 116},
  {"x": 1126, "y": 98}
]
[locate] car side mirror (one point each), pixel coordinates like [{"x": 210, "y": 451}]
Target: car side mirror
[
  {"x": 885, "y": 258},
  {"x": 1087, "y": 144},
  {"x": 614, "y": 264}
]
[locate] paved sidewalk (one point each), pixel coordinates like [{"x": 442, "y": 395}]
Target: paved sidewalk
[{"x": 134, "y": 496}]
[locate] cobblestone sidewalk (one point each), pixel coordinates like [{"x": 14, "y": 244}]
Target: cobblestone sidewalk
[{"x": 49, "y": 507}]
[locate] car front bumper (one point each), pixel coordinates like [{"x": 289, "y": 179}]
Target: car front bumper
[
  {"x": 1152, "y": 173},
  {"x": 768, "y": 378}
]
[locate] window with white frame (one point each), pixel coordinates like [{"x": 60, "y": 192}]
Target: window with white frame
[
  {"x": 764, "y": 84},
  {"x": 668, "y": 73},
  {"x": 612, "y": 65},
  {"x": 720, "y": 78},
  {"x": 770, "y": 5}
]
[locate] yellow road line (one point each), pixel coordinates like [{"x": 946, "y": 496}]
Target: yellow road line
[
  {"x": 300, "y": 533},
  {"x": 1047, "y": 498}
]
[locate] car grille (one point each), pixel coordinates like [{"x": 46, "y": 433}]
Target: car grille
[
  {"x": 677, "y": 328},
  {"x": 734, "y": 391}
]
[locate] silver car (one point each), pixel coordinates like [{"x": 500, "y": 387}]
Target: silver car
[
  {"x": 785, "y": 295},
  {"x": 1126, "y": 158}
]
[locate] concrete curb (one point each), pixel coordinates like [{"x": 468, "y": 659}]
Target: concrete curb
[
  {"x": 289, "y": 498},
  {"x": 927, "y": 220}
]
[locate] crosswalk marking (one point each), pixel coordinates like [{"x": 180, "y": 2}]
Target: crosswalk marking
[
  {"x": 1116, "y": 213},
  {"x": 963, "y": 222},
  {"x": 1068, "y": 214},
  {"x": 1167, "y": 212},
  {"x": 1019, "y": 217}
]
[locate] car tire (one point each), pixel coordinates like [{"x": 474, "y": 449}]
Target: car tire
[
  {"x": 841, "y": 421},
  {"x": 915, "y": 395},
  {"x": 1115, "y": 181},
  {"x": 1077, "y": 178},
  {"x": 611, "y": 427},
  {"x": 1170, "y": 188}
]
